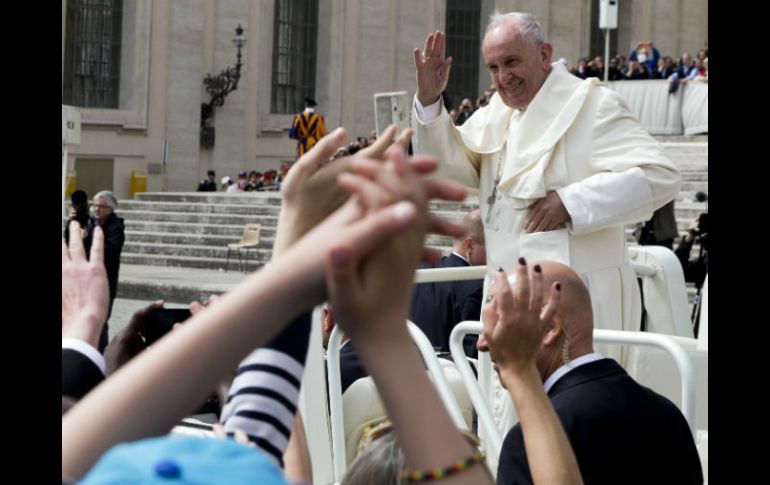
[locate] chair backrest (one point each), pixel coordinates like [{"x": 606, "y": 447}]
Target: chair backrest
[
  {"x": 251, "y": 234},
  {"x": 703, "y": 330},
  {"x": 665, "y": 292},
  {"x": 360, "y": 405}
]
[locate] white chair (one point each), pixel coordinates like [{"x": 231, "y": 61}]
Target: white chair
[
  {"x": 361, "y": 406},
  {"x": 249, "y": 239},
  {"x": 665, "y": 300}
]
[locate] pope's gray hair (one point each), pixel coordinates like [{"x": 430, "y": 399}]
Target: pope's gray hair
[{"x": 528, "y": 27}]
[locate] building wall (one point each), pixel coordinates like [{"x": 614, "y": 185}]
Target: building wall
[{"x": 364, "y": 47}]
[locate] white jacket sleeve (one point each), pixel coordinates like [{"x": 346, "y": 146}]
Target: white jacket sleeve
[
  {"x": 634, "y": 175},
  {"x": 439, "y": 137}
]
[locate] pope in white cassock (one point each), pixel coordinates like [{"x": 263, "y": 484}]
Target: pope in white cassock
[{"x": 560, "y": 163}]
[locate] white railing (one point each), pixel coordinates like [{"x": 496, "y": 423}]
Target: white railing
[
  {"x": 682, "y": 360},
  {"x": 335, "y": 391}
]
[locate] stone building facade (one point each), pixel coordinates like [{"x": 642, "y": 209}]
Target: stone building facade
[{"x": 165, "y": 48}]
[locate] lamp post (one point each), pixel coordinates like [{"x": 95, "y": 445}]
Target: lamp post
[{"x": 219, "y": 87}]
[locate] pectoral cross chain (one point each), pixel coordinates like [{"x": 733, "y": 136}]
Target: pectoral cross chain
[{"x": 491, "y": 202}]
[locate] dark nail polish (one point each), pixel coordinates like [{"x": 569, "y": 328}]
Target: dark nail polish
[
  {"x": 522, "y": 261},
  {"x": 538, "y": 269},
  {"x": 558, "y": 286},
  {"x": 499, "y": 269}
]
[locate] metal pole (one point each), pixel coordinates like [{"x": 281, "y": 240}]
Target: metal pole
[
  {"x": 64, "y": 182},
  {"x": 606, "y": 54}
]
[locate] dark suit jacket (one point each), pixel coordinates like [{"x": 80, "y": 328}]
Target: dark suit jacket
[
  {"x": 79, "y": 374},
  {"x": 621, "y": 431},
  {"x": 437, "y": 307},
  {"x": 351, "y": 368}
]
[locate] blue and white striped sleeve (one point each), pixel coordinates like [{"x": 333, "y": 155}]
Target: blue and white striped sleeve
[{"x": 262, "y": 400}]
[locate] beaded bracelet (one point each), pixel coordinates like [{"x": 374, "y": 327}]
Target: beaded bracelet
[{"x": 439, "y": 473}]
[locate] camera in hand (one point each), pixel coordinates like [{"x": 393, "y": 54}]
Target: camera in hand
[
  {"x": 80, "y": 204},
  {"x": 161, "y": 321}
]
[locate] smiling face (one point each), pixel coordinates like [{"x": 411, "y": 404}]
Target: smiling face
[{"x": 518, "y": 68}]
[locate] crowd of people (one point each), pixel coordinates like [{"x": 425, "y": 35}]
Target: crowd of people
[
  {"x": 645, "y": 62},
  {"x": 254, "y": 181},
  {"x": 642, "y": 62},
  {"x": 555, "y": 197}
]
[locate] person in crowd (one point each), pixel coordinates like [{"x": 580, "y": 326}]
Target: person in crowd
[
  {"x": 695, "y": 269},
  {"x": 560, "y": 163},
  {"x": 255, "y": 181},
  {"x": 104, "y": 216},
  {"x": 228, "y": 185},
  {"x": 308, "y": 127},
  {"x": 618, "y": 429},
  {"x": 208, "y": 184},
  {"x": 437, "y": 307}
]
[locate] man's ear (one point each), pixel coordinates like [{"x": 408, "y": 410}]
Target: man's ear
[
  {"x": 546, "y": 53},
  {"x": 328, "y": 322},
  {"x": 554, "y": 331},
  {"x": 468, "y": 244}
]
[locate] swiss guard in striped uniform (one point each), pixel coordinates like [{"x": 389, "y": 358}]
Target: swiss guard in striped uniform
[{"x": 308, "y": 128}]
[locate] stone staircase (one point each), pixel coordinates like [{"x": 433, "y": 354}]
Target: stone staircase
[{"x": 192, "y": 230}]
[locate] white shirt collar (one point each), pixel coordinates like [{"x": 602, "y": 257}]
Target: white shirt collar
[
  {"x": 461, "y": 256},
  {"x": 583, "y": 359}
]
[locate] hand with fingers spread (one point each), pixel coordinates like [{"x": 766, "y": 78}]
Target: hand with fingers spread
[
  {"x": 546, "y": 214},
  {"x": 432, "y": 68},
  {"x": 378, "y": 185},
  {"x": 310, "y": 192},
  {"x": 85, "y": 291},
  {"x": 516, "y": 319}
]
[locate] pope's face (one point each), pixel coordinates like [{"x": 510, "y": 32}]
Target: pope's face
[{"x": 517, "y": 67}]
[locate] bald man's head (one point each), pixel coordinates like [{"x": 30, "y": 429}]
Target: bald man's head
[
  {"x": 571, "y": 335},
  {"x": 575, "y": 299},
  {"x": 570, "y": 332}
]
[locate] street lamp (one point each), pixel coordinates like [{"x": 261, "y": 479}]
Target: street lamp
[{"x": 219, "y": 87}]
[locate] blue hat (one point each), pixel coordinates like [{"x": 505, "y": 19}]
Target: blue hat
[{"x": 172, "y": 460}]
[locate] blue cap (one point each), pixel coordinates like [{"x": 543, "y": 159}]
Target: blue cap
[{"x": 172, "y": 460}]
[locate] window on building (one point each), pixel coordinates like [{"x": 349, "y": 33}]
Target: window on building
[
  {"x": 92, "y": 53},
  {"x": 294, "y": 54},
  {"x": 463, "y": 25}
]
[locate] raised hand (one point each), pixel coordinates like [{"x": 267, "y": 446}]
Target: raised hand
[
  {"x": 310, "y": 192},
  {"x": 84, "y": 288},
  {"x": 432, "y": 68},
  {"x": 516, "y": 319}
]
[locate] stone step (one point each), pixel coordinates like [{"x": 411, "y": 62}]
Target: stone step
[
  {"x": 231, "y": 219},
  {"x": 185, "y": 228},
  {"x": 238, "y": 198},
  {"x": 186, "y": 262},
  {"x": 200, "y": 208},
  {"x": 189, "y": 239},
  {"x": 261, "y": 253},
  {"x": 694, "y": 176},
  {"x": 695, "y": 186}
]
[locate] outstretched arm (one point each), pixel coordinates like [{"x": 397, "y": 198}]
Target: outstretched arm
[
  {"x": 370, "y": 295},
  {"x": 149, "y": 394}
]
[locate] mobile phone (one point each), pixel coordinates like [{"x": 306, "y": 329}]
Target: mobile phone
[{"x": 160, "y": 322}]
